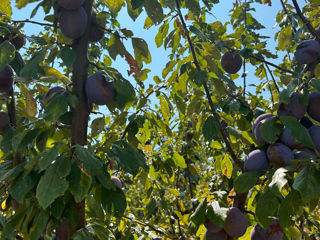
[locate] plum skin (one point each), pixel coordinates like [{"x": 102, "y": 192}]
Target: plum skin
[
  {"x": 96, "y": 32},
  {"x": 4, "y": 121},
  {"x": 6, "y": 79},
  {"x": 53, "y": 92},
  {"x": 211, "y": 227},
  {"x": 231, "y": 63},
  {"x": 70, "y": 4},
  {"x": 258, "y": 233},
  {"x": 222, "y": 235},
  {"x": 307, "y": 52},
  {"x": 98, "y": 90},
  {"x": 275, "y": 231},
  {"x": 315, "y": 136},
  {"x": 294, "y": 108},
  {"x": 256, "y": 125},
  {"x": 313, "y": 106},
  {"x": 279, "y": 154},
  {"x": 16, "y": 40},
  {"x": 236, "y": 223},
  {"x": 256, "y": 160},
  {"x": 116, "y": 181},
  {"x": 288, "y": 140},
  {"x": 73, "y": 23}
]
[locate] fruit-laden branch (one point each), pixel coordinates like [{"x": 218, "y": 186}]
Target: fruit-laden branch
[
  {"x": 206, "y": 88},
  {"x": 305, "y": 21}
]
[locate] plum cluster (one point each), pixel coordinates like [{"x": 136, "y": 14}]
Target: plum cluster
[
  {"x": 281, "y": 153},
  {"x": 231, "y": 62},
  {"x": 273, "y": 232},
  {"x": 15, "y": 38},
  {"x": 99, "y": 89},
  {"x": 235, "y": 226},
  {"x": 73, "y": 21}
]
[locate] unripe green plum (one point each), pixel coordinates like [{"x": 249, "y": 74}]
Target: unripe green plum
[
  {"x": 236, "y": 223},
  {"x": 98, "y": 90},
  {"x": 294, "y": 108},
  {"x": 222, "y": 235},
  {"x": 256, "y": 160},
  {"x": 307, "y": 52},
  {"x": 73, "y": 23},
  {"x": 117, "y": 181},
  {"x": 279, "y": 154},
  {"x": 314, "y": 106},
  {"x": 315, "y": 136},
  {"x": 256, "y": 126},
  {"x": 70, "y": 4},
  {"x": 4, "y": 121},
  {"x": 258, "y": 233},
  {"x": 231, "y": 62},
  {"x": 288, "y": 140},
  {"x": 6, "y": 79},
  {"x": 211, "y": 227}
]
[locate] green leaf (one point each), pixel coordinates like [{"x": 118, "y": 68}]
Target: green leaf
[
  {"x": 270, "y": 129},
  {"x": 31, "y": 69},
  {"x": 5, "y": 7},
  {"x": 278, "y": 181},
  {"x": 198, "y": 32},
  {"x": 200, "y": 77},
  {"x": 97, "y": 126},
  {"x": 244, "y": 182},
  {"x": 129, "y": 157},
  {"x": 27, "y": 139},
  {"x": 267, "y": 206},
  {"x": 68, "y": 56},
  {"x": 7, "y": 53},
  {"x": 53, "y": 184},
  {"x": 22, "y": 185},
  {"x": 210, "y": 129},
  {"x": 103, "y": 176},
  {"x": 154, "y": 11},
  {"x": 56, "y": 108},
  {"x": 299, "y": 132},
  {"x": 47, "y": 157},
  {"x": 284, "y": 38},
  {"x": 288, "y": 208},
  {"x": 307, "y": 183},
  {"x": 39, "y": 225},
  {"x": 12, "y": 173},
  {"x": 9, "y": 230},
  {"x": 136, "y": 4},
  {"x": 113, "y": 201},
  {"x": 90, "y": 162},
  {"x": 141, "y": 50},
  {"x": 216, "y": 214},
  {"x": 17, "y": 63},
  {"x": 115, "y": 47},
  {"x": 79, "y": 183},
  {"x": 199, "y": 215},
  {"x": 179, "y": 160},
  {"x": 193, "y": 6},
  {"x": 113, "y": 5}
]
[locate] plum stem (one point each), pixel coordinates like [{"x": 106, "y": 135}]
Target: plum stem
[{"x": 224, "y": 132}]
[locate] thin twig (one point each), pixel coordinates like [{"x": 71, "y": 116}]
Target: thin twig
[
  {"x": 244, "y": 62},
  {"x": 273, "y": 79},
  {"x": 33, "y": 22},
  {"x": 206, "y": 88},
  {"x": 271, "y": 64},
  {"x": 286, "y": 12},
  {"x": 305, "y": 21}
]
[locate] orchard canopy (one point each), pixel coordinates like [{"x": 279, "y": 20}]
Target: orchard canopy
[{"x": 222, "y": 143}]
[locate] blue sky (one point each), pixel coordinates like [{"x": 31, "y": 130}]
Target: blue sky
[{"x": 264, "y": 13}]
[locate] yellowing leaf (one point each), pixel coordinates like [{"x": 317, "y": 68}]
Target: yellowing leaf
[
  {"x": 226, "y": 166},
  {"x": 284, "y": 38},
  {"x": 164, "y": 108},
  {"x": 31, "y": 105},
  {"x": 5, "y": 7},
  {"x": 114, "y": 5},
  {"x": 317, "y": 71},
  {"x": 4, "y": 204},
  {"x": 174, "y": 191},
  {"x": 52, "y": 72},
  {"x": 179, "y": 160}
]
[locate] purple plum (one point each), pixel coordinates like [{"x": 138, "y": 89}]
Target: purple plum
[
  {"x": 4, "y": 121},
  {"x": 288, "y": 140},
  {"x": 53, "y": 92},
  {"x": 304, "y": 153},
  {"x": 222, "y": 235},
  {"x": 294, "y": 108},
  {"x": 306, "y": 122},
  {"x": 279, "y": 154},
  {"x": 231, "y": 62},
  {"x": 315, "y": 136},
  {"x": 70, "y": 4},
  {"x": 314, "y": 106},
  {"x": 98, "y": 90},
  {"x": 18, "y": 41},
  {"x": 275, "y": 231},
  {"x": 258, "y": 233},
  {"x": 211, "y": 227},
  {"x": 96, "y": 31},
  {"x": 256, "y": 160},
  {"x": 116, "y": 181},
  {"x": 236, "y": 223},
  {"x": 307, "y": 52},
  {"x": 256, "y": 126},
  {"x": 6, "y": 79}
]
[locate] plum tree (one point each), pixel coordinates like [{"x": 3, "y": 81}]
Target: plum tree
[
  {"x": 294, "y": 108},
  {"x": 307, "y": 52},
  {"x": 211, "y": 227},
  {"x": 258, "y": 233},
  {"x": 288, "y": 140},
  {"x": 4, "y": 121},
  {"x": 99, "y": 90},
  {"x": 73, "y": 23},
  {"x": 6, "y": 79},
  {"x": 231, "y": 62},
  {"x": 70, "y": 4},
  {"x": 256, "y": 126},
  {"x": 236, "y": 223},
  {"x": 52, "y": 93},
  {"x": 222, "y": 235},
  {"x": 256, "y": 160},
  {"x": 117, "y": 181},
  {"x": 313, "y": 106},
  {"x": 279, "y": 154},
  {"x": 306, "y": 122},
  {"x": 315, "y": 135}
]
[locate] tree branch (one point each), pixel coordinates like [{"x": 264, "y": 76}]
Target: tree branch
[{"x": 33, "y": 22}]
